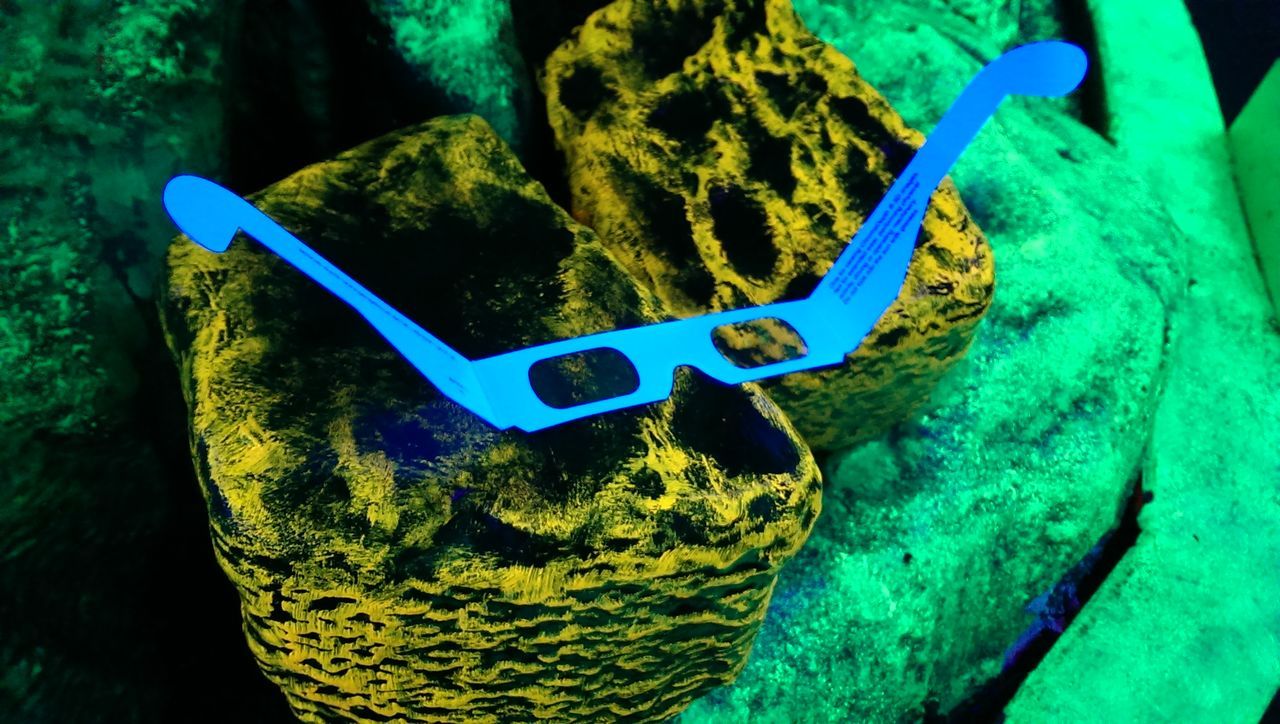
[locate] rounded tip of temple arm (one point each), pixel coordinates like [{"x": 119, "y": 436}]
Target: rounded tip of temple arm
[
  {"x": 1048, "y": 68},
  {"x": 202, "y": 210}
]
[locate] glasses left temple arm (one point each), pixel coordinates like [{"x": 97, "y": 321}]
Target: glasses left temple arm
[{"x": 211, "y": 215}]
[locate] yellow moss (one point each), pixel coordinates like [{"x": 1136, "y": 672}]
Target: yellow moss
[
  {"x": 490, "y": 577},
  {"x": 791, "y": 128},
  {"x": 372, "y": 477}
]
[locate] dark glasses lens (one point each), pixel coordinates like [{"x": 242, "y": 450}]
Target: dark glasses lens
[
  {"x": 758, "y": 342},
  {"x": 580, "y": 377}
]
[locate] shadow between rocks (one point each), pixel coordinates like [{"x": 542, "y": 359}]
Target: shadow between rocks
[{"x": 1056, "y": 609}]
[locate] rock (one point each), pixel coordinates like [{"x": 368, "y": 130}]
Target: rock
[
  {"x": 105, "y": 562},
  {"x": 1189, "y": 620},
  {"x": 336, "y": 79},
  {"x": 466, "y": 50},
  {"x": 397, "y": 557},
  {"x": 937, "y": 538},
  {"x": 78, "y": 165},
  {"x": 726, "y": 156}
]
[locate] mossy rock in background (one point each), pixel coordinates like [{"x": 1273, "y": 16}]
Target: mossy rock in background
[
  {"x": 88, "y": 128},
  {"x": 941, "y": 541},
  {"x": 398, "y": 557},
  {"x": 726, "y": 156},
  {"x": 467, "y": 50},
  {"x": 104, "y": 560}
]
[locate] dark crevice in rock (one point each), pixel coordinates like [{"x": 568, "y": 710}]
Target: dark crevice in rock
[
  {"x": 787, "y": 94},
  {"x": 721, "y": 423},
  {"x": 584, "y": 91},
  {"x": 673, "y": 36},
  {"x": 743, "y": 230},
  {"x": 863, "y": 187},
  {"x": 891, "y": 338},
  {"x": 480, "y": 533},
  {"x": 539, "y": 28},
  {"x": 855, "y": 113},
  {"x": 670, "y": 232},
  {"x": 1272, "y": 714},
  {"x": 748, "y": 21},
  {"x": 333, "y": 81},
  {"x": 540, "y": 157},
  {"x": 1057, "y": 609},
  {"x": 1078, "y": 27},
  {"x": 770, "y": 157},
  {"x": 648, "y": 482},
  {"x": 801, "y": 286},
  {"x": 897, "y": 154},
  {"x": 688, "y": 115},
  {"x": 191, "y": 574}
]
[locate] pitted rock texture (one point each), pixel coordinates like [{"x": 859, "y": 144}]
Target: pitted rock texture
[
  {"x": 726, "y": 156},
  {"x": 398, "y": 558}
]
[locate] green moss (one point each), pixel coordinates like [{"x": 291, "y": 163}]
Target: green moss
[
  {"x": 44, "y": 303},
  {"x": 52, "y": 374},
  {"x": 99, "y": 104},
  {"x": 96, "y": 110},
  {"x": 612, "y": 567},
  {"x": 466, "y": 49}
]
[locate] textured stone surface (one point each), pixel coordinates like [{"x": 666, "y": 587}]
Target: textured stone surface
[
  {"x": 104, "y": 561},
  {"x": 466, "y": 48},
  {"x": 726, "y": 156},
  {"x": 1187, "y": 626},
  {"x": 75, "y": 168},
  {"x": 939, "y": 539},
  {"x": 396, "y": 556}
]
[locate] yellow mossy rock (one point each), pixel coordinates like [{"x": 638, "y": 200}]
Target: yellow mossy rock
[
  {"x": 726, "y": 156},
  {"x": 396, "y": 556}
]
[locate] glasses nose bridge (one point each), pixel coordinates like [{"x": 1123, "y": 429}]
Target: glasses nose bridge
[{"x": 507, "y": 377}]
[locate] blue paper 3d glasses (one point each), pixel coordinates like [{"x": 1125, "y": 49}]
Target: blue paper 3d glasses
[{"x": 832, "y": 321}]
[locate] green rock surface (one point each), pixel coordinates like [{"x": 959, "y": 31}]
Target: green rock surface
[
  {"x": 99, "y": 548},
  {"x": 467, "y": 49},
  {"x": 936, "y": 537},
  {"x": 1255, "y": 155},
  {"x": 1187, "y": 626},
  {"x": 93, "y": 105}
]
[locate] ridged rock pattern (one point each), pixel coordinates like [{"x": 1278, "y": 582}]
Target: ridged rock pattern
[
  {"x": 397, "y": 557},
  {"x": 725, "y": 156}
]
